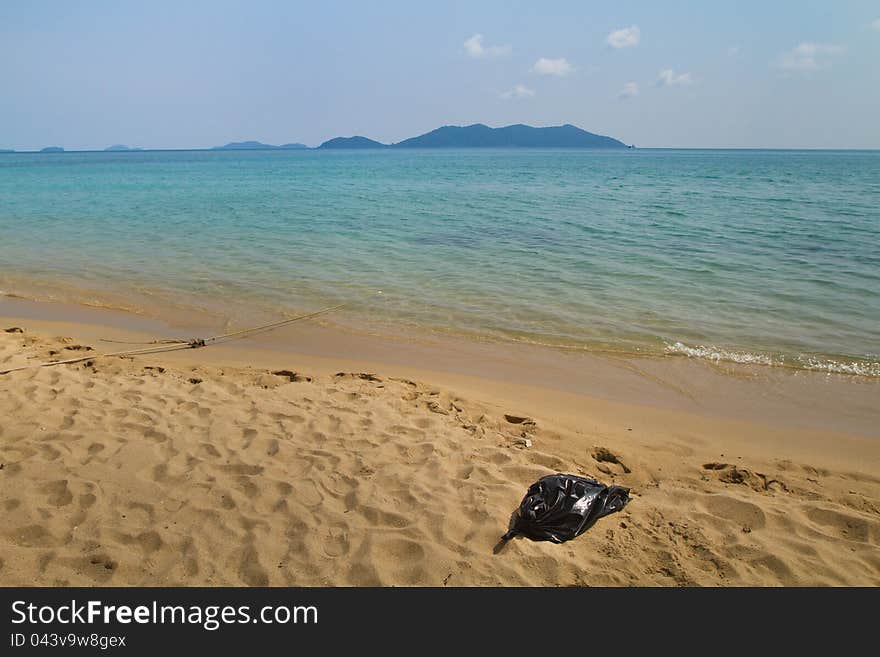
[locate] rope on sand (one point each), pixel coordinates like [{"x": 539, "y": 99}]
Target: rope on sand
[{"x": 161, "y": 346}]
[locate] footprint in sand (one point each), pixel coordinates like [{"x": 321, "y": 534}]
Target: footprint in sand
[
  {"x": 250, "y": 570},
  {"x": 384, "y": 518},
  {"x": 190, "y": 561},
  {"x": 248, "y": 487},
  {"x": 209, "y": 450},
  {"x": 242, "y": 469},
  {"x": 845, "y": 526},
  {"x": 49, "y": 452},
  {"x": 609, "y": 462},
  {"x": 291, "y": 376},
  {"x": 32, "y": 536},
  {"x": 100, "y": 566},
  {"x": 731, "y": 474},
  {"x": 335, "y": 543},
  {"x": 744, "y": 514},
  {"x": 58, "y": 493},
  {"x": 148, "y": 541}
]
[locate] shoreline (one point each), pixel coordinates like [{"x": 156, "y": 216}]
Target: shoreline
[
  {"x": 321, "y": 457},
  {"x": 780, "y": 397},
  {"x": 179, "y": 313}
]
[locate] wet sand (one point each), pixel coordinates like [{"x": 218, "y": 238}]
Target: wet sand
[{"x": 315, "y": 455}]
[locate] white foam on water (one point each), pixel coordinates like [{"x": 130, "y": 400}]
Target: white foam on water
[
  {"x": 717, "y": 354},
  {"x": 861, "y": 368},
  {"x": 814, "y": 363}
]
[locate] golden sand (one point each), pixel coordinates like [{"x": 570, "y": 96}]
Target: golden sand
[{"x": 348, "y": 463}]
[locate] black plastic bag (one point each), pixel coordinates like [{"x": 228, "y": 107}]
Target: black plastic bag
[{"x": 560, "y": 507}]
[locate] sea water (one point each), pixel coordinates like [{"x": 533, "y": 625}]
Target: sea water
[{"x": 768, "y": 257}]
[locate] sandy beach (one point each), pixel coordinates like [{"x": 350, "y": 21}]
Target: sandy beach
[{"x": 316, "y": 458}]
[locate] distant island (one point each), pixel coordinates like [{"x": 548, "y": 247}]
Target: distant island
[
  {"x": 6, "y": 150},
  {"x": 352, "y": 142},
  {"x": 511, "y": 136},
  {"x": 256, "y": 146},
  {"x": 479, "y": 135}
]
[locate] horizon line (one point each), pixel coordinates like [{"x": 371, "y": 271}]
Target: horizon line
[{"x": 385, "y": 147}]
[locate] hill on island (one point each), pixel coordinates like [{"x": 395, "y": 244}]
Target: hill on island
[
  {"x": 479, "y": 135},
  {"x": 255, "y": 146},
  {"x": 518, "y": 136},
  {"x": 352, "y": 142}
]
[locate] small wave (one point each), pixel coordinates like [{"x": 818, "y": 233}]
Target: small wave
[
  {"x": 716, "y": 354},
  {"x": 814, "y": 363},
  {"x": 861, "y": 368}
]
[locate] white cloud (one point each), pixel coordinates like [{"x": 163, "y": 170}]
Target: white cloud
[
  {"x": 558, "y": 67},
  {"x": 807, "y": 57},
  {"x": 630, "y": 90},
  {"x": 475, "y": 48},
  {"x": 519, "y": 91},
  {"x": 733, "y": 51},
  {"x": 669, "y": 78},
  {"x": 876, "y": 25},
  {"x": 626, "y": 37}
]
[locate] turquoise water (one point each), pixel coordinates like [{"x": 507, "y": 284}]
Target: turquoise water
[{"x": 753, "y": 256}]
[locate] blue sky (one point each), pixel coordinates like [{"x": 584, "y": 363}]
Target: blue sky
[{"x": 193, "y": 74}]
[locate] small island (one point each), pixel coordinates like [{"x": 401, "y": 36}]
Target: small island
[
  {"x": 256, "y": 146},
  {"x": 121, "y": 147},
  {"x": 352, "y": 142},
  {"x": 52, "y": 149},
  {"x": 480, "y": 135}
]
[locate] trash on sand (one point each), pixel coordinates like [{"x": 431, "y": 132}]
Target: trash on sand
[{"x": 560, "y": 507}]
